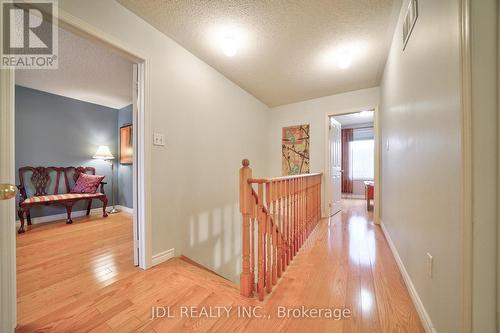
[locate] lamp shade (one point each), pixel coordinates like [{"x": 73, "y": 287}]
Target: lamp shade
[{"x": 103, "y": 153}]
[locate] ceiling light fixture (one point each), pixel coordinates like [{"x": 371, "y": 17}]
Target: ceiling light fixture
[
  {"x": 344, "y": 59},
  {"x": 345, "y": 55},
  {"x": 230, "y": 45}
]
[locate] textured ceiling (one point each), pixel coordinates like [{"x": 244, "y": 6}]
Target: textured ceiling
[
  {"x": 87, "y": 71},
  {"x": 287, "y": 45}
]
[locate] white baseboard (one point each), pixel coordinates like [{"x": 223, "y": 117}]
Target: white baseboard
[
  {"x": 63, "y": 216},
  {"x": 424, "y": 316},
  {"x": 162, "y": 257},
  {"x": 125, "y": 209}
]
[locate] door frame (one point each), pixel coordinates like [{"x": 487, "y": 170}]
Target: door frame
[
  {"x": 142, "y": 166},
  {"x": 377, "y": 139}
]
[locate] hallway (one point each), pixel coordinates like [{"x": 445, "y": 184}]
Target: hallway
[{"x": 345, "y": 263}]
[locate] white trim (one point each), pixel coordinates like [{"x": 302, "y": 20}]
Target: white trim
[
  {"x": 466, "y": 166},
  {"x": 424, "y": 316},
  {"x": 162, "y": 257},
  {"x": 63, "y": 216},
  {"x": 125, "y": 209},
  {"x": 7, "y": 208}
]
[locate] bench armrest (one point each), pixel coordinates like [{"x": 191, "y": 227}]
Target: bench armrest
[{"x": 102, "y": 186}]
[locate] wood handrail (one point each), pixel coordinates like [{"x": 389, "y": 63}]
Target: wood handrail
[{"x": 278, "y": 216}]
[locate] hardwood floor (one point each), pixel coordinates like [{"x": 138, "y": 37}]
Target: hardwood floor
[{"x": 80, "y": 278}]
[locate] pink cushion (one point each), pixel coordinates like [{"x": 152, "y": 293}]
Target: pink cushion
[
  {"x": 87, "y": 183},
  {"x": 60, "y": 197}
]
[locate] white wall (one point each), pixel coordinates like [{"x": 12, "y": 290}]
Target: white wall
[
  {"x": 314, "y": 112},
  {"x": 484, "y": 57},
  {"x": 420, "y": 118},
  {"x": 210, "y": 125}
]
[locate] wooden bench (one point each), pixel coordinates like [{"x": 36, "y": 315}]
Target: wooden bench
[{"x": 40, "y": 186}]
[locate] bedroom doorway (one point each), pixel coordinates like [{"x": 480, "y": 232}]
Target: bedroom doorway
[
  {"x": 140, "y": 244},
  {"x": 353, "y": 158}
]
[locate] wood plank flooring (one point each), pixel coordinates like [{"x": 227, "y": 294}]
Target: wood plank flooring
[{"x": 80, "y": 278}]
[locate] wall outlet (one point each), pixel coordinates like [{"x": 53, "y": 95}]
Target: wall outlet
[
  {"x": 387, "y": 145},
  {"x": 429, "y": 264},
  {"x": 158, "y": 139}
]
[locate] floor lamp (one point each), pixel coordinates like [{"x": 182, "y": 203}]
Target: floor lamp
[{"x": 103, "y": 153}]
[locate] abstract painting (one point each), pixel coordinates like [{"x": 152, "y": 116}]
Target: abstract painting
[
  {"x": 126, "y": 145},
  {"x": 295, "y": 150}
]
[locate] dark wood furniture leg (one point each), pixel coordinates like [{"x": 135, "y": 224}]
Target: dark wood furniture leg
[
  {"x": 69, "y": 208},
  {"x": 20, "y": 213},
  {"x": 28, "y": 216},
  {"x": 104, "y": 204},
  {"x": 89, "y": 206}
]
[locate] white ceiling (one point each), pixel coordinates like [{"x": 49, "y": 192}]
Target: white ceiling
[
  {"x": 355, "y": 118},
  {"x": 286, "y": 45},
  {"x": 87, "y": 71}
]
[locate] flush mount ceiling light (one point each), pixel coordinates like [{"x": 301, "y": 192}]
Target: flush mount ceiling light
[
  {"x": 230, "y": 45},
  {"x": 344, "y": 59},
  {"x": 228, "y": 39},
  {"x": 345, "y": 55}
]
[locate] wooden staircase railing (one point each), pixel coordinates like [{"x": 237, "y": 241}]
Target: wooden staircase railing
[{"x": 285, "y": 210}]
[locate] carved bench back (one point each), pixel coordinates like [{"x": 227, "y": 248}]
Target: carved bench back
[{"x": 37, "y": 181}]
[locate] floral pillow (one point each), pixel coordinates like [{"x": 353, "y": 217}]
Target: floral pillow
[{"x": 87, "y": 183}]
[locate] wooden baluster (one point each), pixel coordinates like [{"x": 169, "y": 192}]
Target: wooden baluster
[
  {"x": 279, "y": 189},
  {"x": 252, "y": 241},
  {"x": 292, "y": 220},
  {"x": 299, "y": 217},
  {"x": 245, "y": 194},
  {"x": 268, "y": 239},
  {"x": 275, "y": 233},
  {"x": 285, "y": 239},
  {"x": 297, "y": 181},
  {"x": 261, "y": 242},
  {"x": 290, "y": 191},
  {"x": 306, "y": 185},
  {"x": 295, "y": 220},
  {"x": 302, "y": 219},
  {"x": 288, "y": 221},
  {"x": 294, "y": 201}
]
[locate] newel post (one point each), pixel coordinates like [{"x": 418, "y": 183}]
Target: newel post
[{"x": 246, "y": 278}]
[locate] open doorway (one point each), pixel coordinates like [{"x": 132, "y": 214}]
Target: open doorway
[
  {"x": 75, "y": 149},
  {"x": 352, "y": 172}
]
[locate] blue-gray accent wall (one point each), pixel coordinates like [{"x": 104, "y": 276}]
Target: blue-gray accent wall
[
  {"x": 53, "y": 130},
  {"x": 125, "y": 172}
]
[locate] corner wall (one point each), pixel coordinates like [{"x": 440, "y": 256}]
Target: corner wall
[{"x": 420, "y": 117}]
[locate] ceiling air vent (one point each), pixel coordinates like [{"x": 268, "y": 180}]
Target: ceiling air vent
[{"x": 409, "y": 22}]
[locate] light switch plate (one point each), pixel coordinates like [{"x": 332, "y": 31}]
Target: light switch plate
[{"x": 158, "y": 139}]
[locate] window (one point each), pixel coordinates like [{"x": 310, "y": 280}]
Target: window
[{"x": 362, "y": 159}]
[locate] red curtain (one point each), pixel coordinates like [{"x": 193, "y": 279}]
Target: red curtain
[{"x": 346, "y": 156}]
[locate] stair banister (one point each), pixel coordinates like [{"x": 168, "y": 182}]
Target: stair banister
[{"x": 277, "y": 218}]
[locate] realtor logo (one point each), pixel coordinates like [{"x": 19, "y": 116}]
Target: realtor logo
[{"x": 29, "y": 34}]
